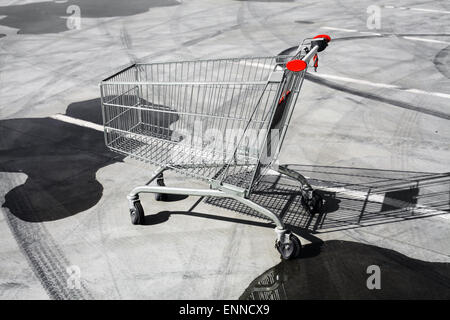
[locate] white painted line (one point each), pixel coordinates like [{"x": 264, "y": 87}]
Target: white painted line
[
  {"x": 368, "y": 83},
  {"x": 430, "y": 10},
  {"x": 371, "y": 33},
  {"x": 339, "y": 29},
  {"x": 358, "y": 81},
  {"x": 381, "y": 85},
  {"x": 381, "y": 199},
  {"x": 359, "y": 195},
  {"x": 426, "y": 40},
  {"x": 378, "y": 198},
  {"x": 436, "y": 94},
  {"x": 379, "y": 34},
  {"x": 417, "y": 9},
  {"x": 78, "y": 122}
]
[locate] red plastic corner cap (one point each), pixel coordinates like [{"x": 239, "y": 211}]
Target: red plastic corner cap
[
  {"x": 325, "y": 36},
  {"x": 296, "y": 65}
]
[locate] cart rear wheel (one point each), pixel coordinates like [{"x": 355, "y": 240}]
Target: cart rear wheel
[
  {"x": 314, "y": 204},
  {"x": 289, "y": 250},
  {"x": 160, "y": 196},
  {"x": 137, "y": 213}
]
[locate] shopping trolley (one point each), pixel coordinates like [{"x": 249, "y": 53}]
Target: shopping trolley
[{"x": 221, "y": 121}]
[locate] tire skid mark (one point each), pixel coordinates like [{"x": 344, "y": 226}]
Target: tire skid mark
[
  {"x": 100, "y": 223},
  {"x": 40, "y": 148},
  {"x": 226, "y": 264},
  {"x": 442, "y": 61},
  {"x": 45, "y": 258},
  {"x": 376, "y": 97}
]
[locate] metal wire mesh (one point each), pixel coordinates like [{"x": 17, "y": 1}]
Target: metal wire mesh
[{"x": 208, "y": 119}]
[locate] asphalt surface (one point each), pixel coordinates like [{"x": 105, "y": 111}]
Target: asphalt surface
[
  {"x": 60, "y": 164},
  {"x": 327, "y": 270},
  {"x": 370, "y": 131},
  {"x": 46, "y": 17}
]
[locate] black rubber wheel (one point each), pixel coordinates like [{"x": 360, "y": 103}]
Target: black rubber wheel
[
  {"x": 137, "y": 213},
  {"x": 316, "y": 203},
  {"x": 160, "y": 196},
  {"x": 291, "y": 250}
]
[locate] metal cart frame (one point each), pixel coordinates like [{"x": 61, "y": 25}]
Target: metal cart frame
[{"x": 267, "y": 90}]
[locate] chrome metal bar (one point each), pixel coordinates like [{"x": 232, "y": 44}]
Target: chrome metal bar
[
  {"x": 206, "y": 193},
  {"x": 310, "y": 54},
  {"x": 191, "y": 83}
]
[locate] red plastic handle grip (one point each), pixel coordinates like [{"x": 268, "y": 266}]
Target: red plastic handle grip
[
  {"x": 325, "y": 36},
  {"x": 296, "y": 65}
]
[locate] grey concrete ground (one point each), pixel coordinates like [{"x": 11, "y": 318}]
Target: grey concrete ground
[{"x": 374, "y": 117}]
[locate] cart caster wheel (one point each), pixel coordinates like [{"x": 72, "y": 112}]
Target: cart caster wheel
[
  {"x": 137, "y": 213},
  {"x": 289, "y": 250}
]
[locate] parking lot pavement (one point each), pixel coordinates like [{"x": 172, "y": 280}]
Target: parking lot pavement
[{"x": 370, "y": 129}]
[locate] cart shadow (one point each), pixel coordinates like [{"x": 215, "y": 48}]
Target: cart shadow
[
  {"x": 338, "y": 270},
  {"x": 173, "y": 197},
  {"x": 51, "y": 16},
  {"x": 60, "y": 160},
  {"x": 164, "y": 216},
  {"x": 354, "y": 197}
]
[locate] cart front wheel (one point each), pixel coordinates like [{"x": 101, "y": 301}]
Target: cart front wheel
[
  {"x": 137, "y": 213},
  {"x": 289, "y": 250}
]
